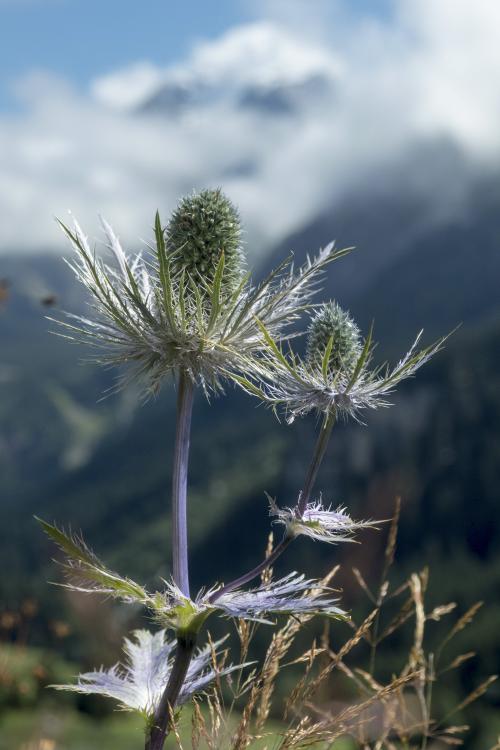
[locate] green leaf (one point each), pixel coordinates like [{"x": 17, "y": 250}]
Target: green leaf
[
  {"x": 73, "y": 547},
  {"x": 215, "y": 295},
  {"x": 164, "y": 272},
  {"x": 84, "y": 564},
  {"x": 247, "y": 385},
  {"x": 274, "y": 348},
  {"x": 363, "y": 358},
  {"x": 326, "y": 359}
]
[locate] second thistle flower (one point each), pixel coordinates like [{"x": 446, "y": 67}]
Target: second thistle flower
[{"x": 335, "y": 377}]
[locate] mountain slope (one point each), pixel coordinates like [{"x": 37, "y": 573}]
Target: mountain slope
[{"x": 410, "y": 269}]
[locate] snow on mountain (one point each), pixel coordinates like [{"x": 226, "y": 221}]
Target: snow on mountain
[{"x": 258, "y": 65}]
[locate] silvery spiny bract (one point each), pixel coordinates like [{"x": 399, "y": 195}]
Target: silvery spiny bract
[
  {"x": 293, "y": 594},
  {"x": 139, "y": 682},
  {"x": 151, "y": 313},
  {"x": 317, "y": 522},
  {"x": 331, "y": 381}
]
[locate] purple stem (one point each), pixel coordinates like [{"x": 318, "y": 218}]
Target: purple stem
[
  {"x": 312, "y": 473},
  {"x": 179, "y": 483},
  {"x": 161, "y": 723},
  {"x": 318, "y": 455},
  {"x": 185, "y": 642},
  {"x": 246, "y": 577}
]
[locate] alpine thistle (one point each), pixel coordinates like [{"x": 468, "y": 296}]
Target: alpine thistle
[
  {"x": 179, "y": 612},
  {"x": 204, "y": 227},
  {"x": 187, "y": 307}
]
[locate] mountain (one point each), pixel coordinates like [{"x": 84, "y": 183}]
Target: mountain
[
  {"x": 258, "y": 67},
  {"x": 434, "y": 271}
]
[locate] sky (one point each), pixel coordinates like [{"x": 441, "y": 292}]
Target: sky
[
  {"x": 82, "y": 39},
  {"x": 85, "y": 38},
  {"x": 291, "y": 105}
]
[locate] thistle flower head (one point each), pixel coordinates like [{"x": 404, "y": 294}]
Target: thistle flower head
[
  {"x": 138, "y": 684},
  {"x": 302, "y": 385},
  {"x": 333, "y": 342},
  {"x": 204, "y": 226},
  {"x": 146, "y": 313},
  {"x": 318, "y": 522}
]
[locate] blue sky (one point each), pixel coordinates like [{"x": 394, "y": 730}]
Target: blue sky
[{"x": 84, "y": 38}]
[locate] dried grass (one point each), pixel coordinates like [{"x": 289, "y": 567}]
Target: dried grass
[{"x": 378, "y": 714}]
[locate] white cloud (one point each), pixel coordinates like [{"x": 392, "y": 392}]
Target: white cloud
[
  {"x": 427, "y": 72},
  {"x": 128, "y": 87}
]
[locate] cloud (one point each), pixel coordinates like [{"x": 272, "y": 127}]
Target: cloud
[
  {"x": 286, "y": 122},
  {"x": 128, "y": 87}
]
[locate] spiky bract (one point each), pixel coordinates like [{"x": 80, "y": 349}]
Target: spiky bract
[
  {"x": 334, "y": 334},
  {"x": 139, "y": 682},
  {"x": 204, "y": 226},
  {"x": 146, "y": 316},
  {"x": 293, "y": 594},
  {"x": 318, "y": 522}
]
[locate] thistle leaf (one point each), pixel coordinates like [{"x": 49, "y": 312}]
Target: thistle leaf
[{"x": 87, "y": 572}]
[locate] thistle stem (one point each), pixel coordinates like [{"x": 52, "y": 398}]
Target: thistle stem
[
  {"x": 164, "y": 712},
  {"x": 317, "y": 458},
  {"x": 179, "y": 483},
  {"x": 185, "y": 641},
  {"x": 312, "y": 473},
  {"x": 260, "y": 568}
]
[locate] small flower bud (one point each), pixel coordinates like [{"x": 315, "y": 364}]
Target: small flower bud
[
  {"x": 331, "y": 322},
  {"x": 203, "y": 226}
]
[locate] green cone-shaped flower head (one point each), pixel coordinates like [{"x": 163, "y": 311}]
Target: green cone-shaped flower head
[
  {"x": 203, "y": 226},
  {"x": 332, "y": 324}
]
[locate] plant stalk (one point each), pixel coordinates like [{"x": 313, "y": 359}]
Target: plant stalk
[
  {"x": 164, "y": 713},
  {"x": 312, "y": 473},
  {"x": 260, "y": 568},
  {"x": 180, "y": 565},
  {"x": 317, "y": 458}
]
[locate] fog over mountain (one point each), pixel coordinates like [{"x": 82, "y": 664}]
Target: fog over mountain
[{"x": 292, "y": 120}]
